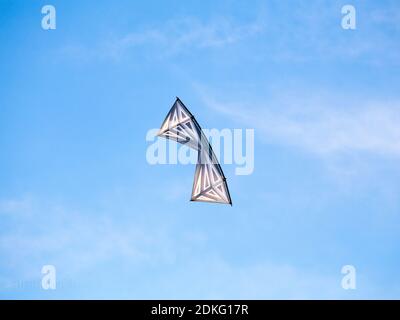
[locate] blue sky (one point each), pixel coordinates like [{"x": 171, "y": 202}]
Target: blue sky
[{"x": 76, "y": 191}]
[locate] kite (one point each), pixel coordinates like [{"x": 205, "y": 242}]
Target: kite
[{"x": 209, "y": 183}]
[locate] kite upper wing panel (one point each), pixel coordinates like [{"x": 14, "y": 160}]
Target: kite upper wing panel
[
  {"x": 179, "y": 125},
  {"x": 209, "y": 182}
]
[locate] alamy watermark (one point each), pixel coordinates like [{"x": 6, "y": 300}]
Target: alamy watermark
[
  {"x": 49, "y": 279},
  {"x": 349, "y": 278},
  {"x": 349, "y": 21},
  {"x": 49, "y": 18},
  {"x": 230, "y": 146}
]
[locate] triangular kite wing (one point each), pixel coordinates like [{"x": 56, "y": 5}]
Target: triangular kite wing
[
  {"x": 209, "y": 183},
  {"x": 179, "y": 125}
]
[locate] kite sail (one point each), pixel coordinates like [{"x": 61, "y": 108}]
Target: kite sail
[{"x": 209, "y": 181}]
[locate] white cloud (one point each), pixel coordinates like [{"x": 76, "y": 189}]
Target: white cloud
[
  {"x": 16, "y": 206},
  {"x": 285, "y": 32},
  {"x": 216, "y": 278},
  {"x": 323, "y": 126},
  {"x": 184, "y": 34},
  {"x": 74, "y": 240},
  {"x": 387, "y": 15},
  {"x": 169, "y": 38},
  {"x": 78, "y": 244},
  {"x": 310, "y": 31}
]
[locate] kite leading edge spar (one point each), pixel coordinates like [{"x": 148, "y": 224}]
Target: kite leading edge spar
[{"x": 209, "y": 183}]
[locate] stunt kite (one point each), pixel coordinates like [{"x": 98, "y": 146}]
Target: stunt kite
[{"x": 209, "y": 183}]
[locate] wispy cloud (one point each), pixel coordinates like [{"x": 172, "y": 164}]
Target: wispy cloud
[
  {"x": 217, "y": 278},
  {"x": 75, "y": 240},
  {"x": 16, "y": 206},
  {"x": 294, "y": 32},
  {"x": 322, "y": 125},
  {"x": 182, "y": 34},
  {"x": 77, "y": 243},
  {"x": 310, "y": 31},
  {"x": 386, "y": 15},
  {"x": 169, "y": 38}
]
